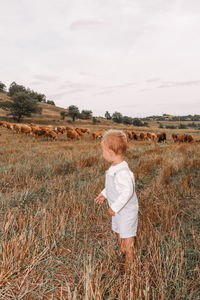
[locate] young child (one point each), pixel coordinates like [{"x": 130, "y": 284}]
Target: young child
[{"x": 120, "y": 191}]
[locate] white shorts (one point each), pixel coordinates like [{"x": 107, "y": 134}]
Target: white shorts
[{"x": 125, "y": 225}]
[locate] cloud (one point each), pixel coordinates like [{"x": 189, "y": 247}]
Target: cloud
[
  {"x": 45, "y": 78},
  {"x": 152, "y": 80},
  {"x": 107, "y": 90},
  {"x": 103, "y": 93},
  {"x": 75, "y": 91},
  {"x": 87, "y": 74},
  {"x": 171, "y": 84},
  {"x": 86, "y": 23},
  {"x": 145, "y": 90},
  {"x": 123, "y": 85}
]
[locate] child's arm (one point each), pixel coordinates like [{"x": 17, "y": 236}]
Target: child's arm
[
  {"x": 125, "y": 186},
  {"x": 111, "y": 212},
  {"x": 100, "y": 199}
]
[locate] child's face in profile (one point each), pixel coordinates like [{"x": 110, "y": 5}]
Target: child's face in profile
[{"x": 108, "y": 154}]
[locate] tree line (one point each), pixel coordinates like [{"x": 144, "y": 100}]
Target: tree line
[
  {"x": 117, "y": 117},
  {"x": 73, "y": 112}
]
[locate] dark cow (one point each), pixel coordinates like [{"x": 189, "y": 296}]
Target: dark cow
[{"x": 162, "y": 137}]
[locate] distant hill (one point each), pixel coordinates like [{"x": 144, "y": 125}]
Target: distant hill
[{"x": 50, "y": 113}]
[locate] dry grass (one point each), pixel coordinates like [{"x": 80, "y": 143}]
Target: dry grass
[{"x": 56, "y": 244}]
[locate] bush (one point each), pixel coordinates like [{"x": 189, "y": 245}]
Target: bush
[
  {"x": 108, "y": 116},
  {"x": 2, "y": 87},
  {"x": 117, "y": 117},
  {"x": 182, "y": 126},
  {"x": 85, "y": 115},
  {"x": 127, "y": 120},
  {"x": 193, "y": 125},
  {"x": 50, "y": 102},
  {"x": 171, "y": 127},
  {"x": 95, "y": 121},
  {"x": 139, "y": 123}
]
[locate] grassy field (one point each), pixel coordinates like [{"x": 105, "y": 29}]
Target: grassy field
[{"x": 55, "y": 243}]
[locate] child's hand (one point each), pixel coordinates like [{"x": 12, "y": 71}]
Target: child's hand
[
  {"x": 99, "y": 199},
  {"x": 111, "y": 212}
]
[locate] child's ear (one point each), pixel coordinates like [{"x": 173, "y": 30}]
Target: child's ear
[{"x": 111, "y": 151}]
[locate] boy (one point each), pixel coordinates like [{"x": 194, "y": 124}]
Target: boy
[{"x": 120, "y": 191}]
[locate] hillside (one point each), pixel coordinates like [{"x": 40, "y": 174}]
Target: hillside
[{"x": 50, "y": 113}]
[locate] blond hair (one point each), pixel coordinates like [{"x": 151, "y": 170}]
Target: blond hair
[{"x": 115, "y": 140}]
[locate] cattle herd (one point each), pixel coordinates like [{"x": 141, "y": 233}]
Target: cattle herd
[{"x": 52, "y": 132}]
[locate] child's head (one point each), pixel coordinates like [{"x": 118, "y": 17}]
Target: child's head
[{"x": 115, "y": 141}]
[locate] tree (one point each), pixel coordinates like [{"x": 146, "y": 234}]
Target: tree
[
  {"x": 108, "y": 116},
  {"x": 137, "y": 122},
  {"x": 182, "y": 126},
  {"x": 73, "y": 112},
  {"x": 86, "y": 114},
  {"x": 15, "y": 88},
  {"x": 117, "y": 117},
  {"x": 22, "y": 105},
  {"x": 95, "y": 121},
  {"x": 50, "y": 102},
  {"x": 63, "y": 115},
  {"x": 2, "y": 87},
  {"x": 127, "y": 120},
  {"x": 41, "y": 98}
]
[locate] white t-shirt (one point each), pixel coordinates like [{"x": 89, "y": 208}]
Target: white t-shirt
[{"x": 125, "y": 185}]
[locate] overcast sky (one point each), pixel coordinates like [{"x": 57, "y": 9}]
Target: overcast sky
[{"x": 138, "y": 57}]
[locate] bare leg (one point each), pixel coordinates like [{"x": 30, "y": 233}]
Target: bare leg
[
  {"x": 118, "y": 237},
  {"x": 128, "y": 245},
  {"x": 119, "y": 241}
]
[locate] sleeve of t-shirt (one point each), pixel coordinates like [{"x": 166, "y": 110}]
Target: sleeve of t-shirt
[
  {"x": 124, "y": 186},
  {"x": 104, "y": 192}
]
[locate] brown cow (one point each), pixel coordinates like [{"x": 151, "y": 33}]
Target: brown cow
[
  {"x": 85, "y": 130},
  {"x": 175, "y": 137},
  {"x": 78, "y": 130},
  {"x": 17, "y": 127},
  {"x": 50, "y": 134},
  {"x": 143, "y": 136},
  {"x": 153, "y": 137},
  {"x": 60, "y": 129},
  {"x": 48, "y": 127},
  {"x": 9, "y": 126},
  {"x": 23, "y": 128},
  {"x": 72, "y": 135},
  {"x": 98, "y": 134},
  {"x": 190, "y": 138},
  {"x": 149, "y": 135},
  {"x": 69, "y": 128},
  {"x": 183, "y": 138},
  {"x": 37, "y": 131},
  {"x": 6, "y": 124},
  {"x": 26, "y": 129},
  {"x": 129, "y": 135},
  {"x": 3, "y": 124}
]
